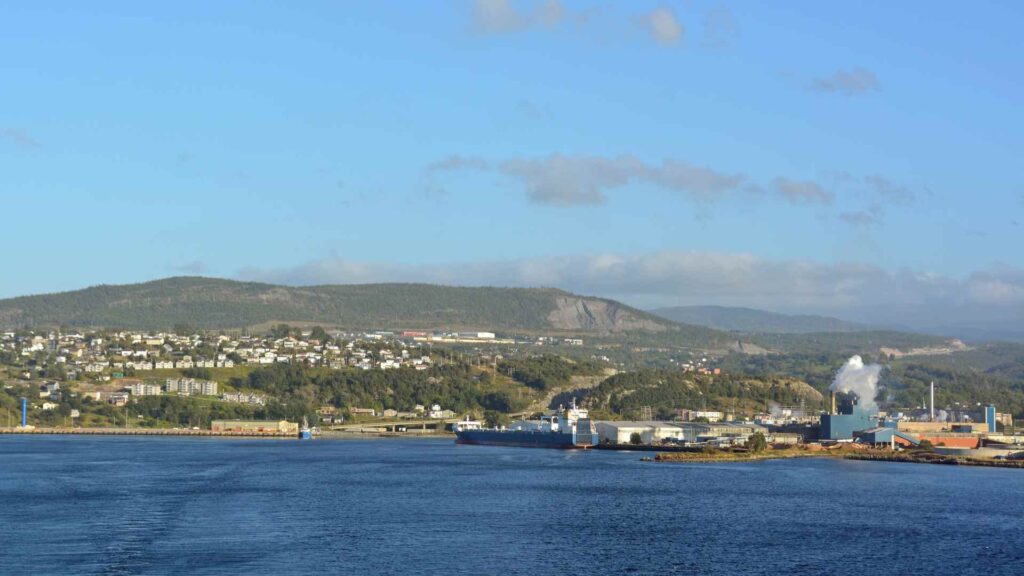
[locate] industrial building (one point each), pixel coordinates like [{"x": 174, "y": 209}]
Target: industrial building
[
  {"x": 653, "y": 432},
  {"x": 720, "y": 432},
  {"x": 621, "y": 432},
  {"x": 851, "y": 422},
  {"x": 805, "y": 432},
  {"x": 938, "y": 427},
  {"x": 702, "y": 415},
  {"x": 885, "y": 436},
  {"x": 841, "y": 423},
  {"x": 255, "y": 426}
]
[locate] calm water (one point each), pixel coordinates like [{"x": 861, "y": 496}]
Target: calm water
[{"x": 79, "y": 505}]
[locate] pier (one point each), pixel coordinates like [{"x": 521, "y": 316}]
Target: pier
[{"x": 142, "y": 432}]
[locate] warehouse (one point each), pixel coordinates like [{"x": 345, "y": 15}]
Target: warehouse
[
  {"x": 255, "y": 426},
  {"x": 621, "y": 432},
  {"x": 926, "y": 428},
  {"x": 885, "y": 436},
  {"x": 720, "y": 432}
]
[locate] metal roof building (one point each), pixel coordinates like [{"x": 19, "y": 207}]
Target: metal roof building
[
  {"x": 620, "y": 432},
  {"x": 885, "y": 435},
  {"x": 701, "y": 431}
]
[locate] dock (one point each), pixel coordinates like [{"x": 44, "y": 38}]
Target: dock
[{"x": 142, "y": 432}]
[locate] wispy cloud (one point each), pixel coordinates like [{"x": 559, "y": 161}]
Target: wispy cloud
[
  {"x": 550, "y": 13},
  {"x": 563, "y": 181},
  {"x": 861, "y": 218},
  {"x": 435, "y": 192},
  {"x": 532, "y": 110},
  {"x": 664, "y": 26},
  {"x": 849, "y": 82},
  {"x": 457, "y": 162},
  {"x": 504, "y": 17},
  {"x": 19, "y": 137},
  {"x": 875, "y": 192},
  {"x": 567, "y": 181},
  {"x": 802, "y": 191},
  {"x": 889, "y": 191}
]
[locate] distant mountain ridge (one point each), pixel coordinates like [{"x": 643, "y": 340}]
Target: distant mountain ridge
[
  {"x": 218, "y": 304},
  {"x": 750, "y": 320},
  {"x": 211, "y": 303}
]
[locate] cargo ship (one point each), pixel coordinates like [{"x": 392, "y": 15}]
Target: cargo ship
[{"x": 567, "y": 428}]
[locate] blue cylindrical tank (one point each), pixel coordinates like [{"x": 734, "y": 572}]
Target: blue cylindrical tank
[
  {"x": 24, "y": 412},
  {"x": 990, "y": 418}
]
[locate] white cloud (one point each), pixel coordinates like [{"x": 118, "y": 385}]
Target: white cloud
[
  {"x": 999, "y": 287},
  {"x": 852, "y": 82},
  {"x": 664, "y": 26}
]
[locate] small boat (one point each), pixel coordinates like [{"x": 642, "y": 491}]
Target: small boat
[{"x": 305, "y": 433}]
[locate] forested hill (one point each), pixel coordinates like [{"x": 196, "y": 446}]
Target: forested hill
[
  {"x": 752, "y": 320},
  {"x": 208, "y": 303}
]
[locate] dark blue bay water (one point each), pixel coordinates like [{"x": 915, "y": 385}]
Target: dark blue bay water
[{"x": 81, "y": 505}]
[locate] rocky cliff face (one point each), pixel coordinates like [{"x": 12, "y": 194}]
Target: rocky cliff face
[{"x": 596, "y": 315}]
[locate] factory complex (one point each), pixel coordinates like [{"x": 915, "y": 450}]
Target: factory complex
[{"x": 981, "y": 433}]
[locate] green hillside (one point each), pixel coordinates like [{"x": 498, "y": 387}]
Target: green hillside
[
  {"x": 208, "y": 303},
  {"x": 211, "y": 304},
  {"x": 626, "y": 393}
]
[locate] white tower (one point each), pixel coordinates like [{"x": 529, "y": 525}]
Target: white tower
[{"x": 933, "y": 402}]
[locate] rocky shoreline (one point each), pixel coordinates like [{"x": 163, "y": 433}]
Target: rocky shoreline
[{"x": 912, "y": 457}]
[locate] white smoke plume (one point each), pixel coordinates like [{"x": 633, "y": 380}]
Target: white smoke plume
[{"x": 859, "y": 379}]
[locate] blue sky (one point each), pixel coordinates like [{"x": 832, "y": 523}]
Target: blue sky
[{"x": 803, "y": 156}]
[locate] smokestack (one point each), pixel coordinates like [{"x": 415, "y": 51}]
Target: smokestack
[
  {"x": 833, "y": 403},
  {"x": 932, "y": 410}
]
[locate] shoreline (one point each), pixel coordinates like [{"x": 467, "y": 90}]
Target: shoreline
[
  {"x": 902, "y": 457},
  {"x": 166, "y": 432},
  {"x": 138, "y": 432}
]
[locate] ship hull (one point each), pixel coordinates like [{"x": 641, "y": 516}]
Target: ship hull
[{"x": 525, "y": 439}]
